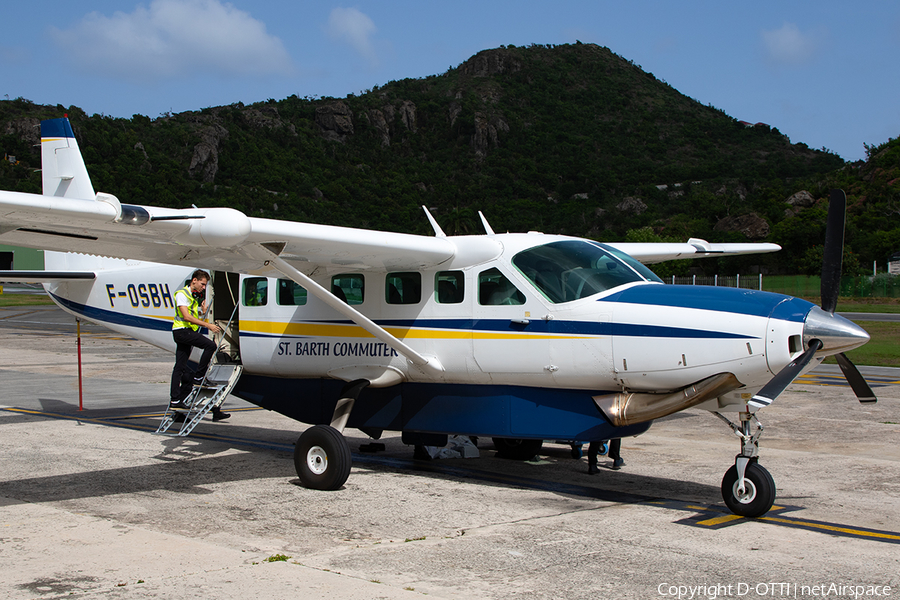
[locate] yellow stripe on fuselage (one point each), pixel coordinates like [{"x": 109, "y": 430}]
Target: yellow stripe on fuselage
[{"x": 355, "y": 331}]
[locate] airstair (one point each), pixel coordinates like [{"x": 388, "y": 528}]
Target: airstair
[
  {"x": 219, "y": 381},
  {"x": 223, "y": 373}
]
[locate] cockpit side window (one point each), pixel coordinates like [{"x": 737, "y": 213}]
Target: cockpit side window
[{"x": 571, "y": 270}]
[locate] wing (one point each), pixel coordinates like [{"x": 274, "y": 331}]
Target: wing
[
  {"x": 213, "y": 237},
  {"x": 649, "y": 252}
]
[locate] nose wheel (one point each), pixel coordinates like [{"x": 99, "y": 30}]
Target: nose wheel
[
  {"x": 747, "y": 488},
  {"x": 752, "y": 499}
]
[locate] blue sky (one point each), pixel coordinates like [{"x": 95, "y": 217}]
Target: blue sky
[{"x": 824, "y": 73}]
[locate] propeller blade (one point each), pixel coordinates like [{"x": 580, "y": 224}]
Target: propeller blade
[
  {"x": 855, "y": 379},
  {"x": 834, "y": 250},
  {"x": 785, "y": 376}
]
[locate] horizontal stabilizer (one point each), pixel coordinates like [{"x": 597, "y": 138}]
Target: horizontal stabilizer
[{"x": 45, "y": 276}]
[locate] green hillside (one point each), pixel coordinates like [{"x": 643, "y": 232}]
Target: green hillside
[{"x": 566, "y": 139}]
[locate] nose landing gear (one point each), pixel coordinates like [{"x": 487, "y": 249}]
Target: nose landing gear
[{"x": 747, "y": 488}]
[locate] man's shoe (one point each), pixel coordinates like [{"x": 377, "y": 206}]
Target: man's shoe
[
  {"x": 179, "y": 405},
  {"x": 593, "y": 470},
  {"x": 218, "y": 415},
  {"x": 618, "y": 464},
  {"x": 201, "y": 381}
]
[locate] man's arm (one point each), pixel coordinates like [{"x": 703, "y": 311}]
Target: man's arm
[{"x": 186, "y": 315}]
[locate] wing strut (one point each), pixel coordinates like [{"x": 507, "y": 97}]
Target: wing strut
[{"x": 430, "y": 365}]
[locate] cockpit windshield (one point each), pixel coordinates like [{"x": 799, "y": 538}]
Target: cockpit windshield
[{"x": 573, "y": 269}]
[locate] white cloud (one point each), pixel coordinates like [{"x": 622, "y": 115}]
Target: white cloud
[
  {"x": 174, "y": 38},
  {"x": 790, "y": 46},
  {"x": 351, "y": 26}
]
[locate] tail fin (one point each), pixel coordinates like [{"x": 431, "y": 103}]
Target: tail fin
[{"x": 63, "y": 170}]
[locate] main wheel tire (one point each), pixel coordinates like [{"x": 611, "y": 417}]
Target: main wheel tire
[
  {"x": 322, "y": 458},
  {"x": 517, "y": 449},
  {"x": 759, "y": 491}
]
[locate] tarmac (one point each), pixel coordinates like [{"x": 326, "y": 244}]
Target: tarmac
[{"x": 93, "y": 504}]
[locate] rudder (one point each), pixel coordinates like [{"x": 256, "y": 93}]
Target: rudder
[{"x": 63, "y": 170}]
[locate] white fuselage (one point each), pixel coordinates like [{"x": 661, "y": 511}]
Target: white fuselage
[{"x": 640, "y": 336}]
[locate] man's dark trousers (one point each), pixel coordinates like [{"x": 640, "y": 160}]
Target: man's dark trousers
[{"x": 182, "y": 377}]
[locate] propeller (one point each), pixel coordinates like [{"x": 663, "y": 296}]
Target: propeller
[
  {"x": 831, "y": 283},
  {"x": 785, "y": 376},
  {"x": 831, "y": 325}
]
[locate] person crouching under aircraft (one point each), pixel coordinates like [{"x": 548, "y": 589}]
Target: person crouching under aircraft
[{"x": 186, "y": 331}]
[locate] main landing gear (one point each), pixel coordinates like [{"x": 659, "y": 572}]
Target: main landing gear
[
  {"x": 322, "y": 455},
  {"x": 747, "y": 488}
]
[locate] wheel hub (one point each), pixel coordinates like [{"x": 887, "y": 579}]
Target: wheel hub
[
  {"x": 746, "y": 496},
  {"x": 317, "y": 460}
]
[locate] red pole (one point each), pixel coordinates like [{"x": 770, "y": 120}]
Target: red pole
[{"x": 80, "y": 397}]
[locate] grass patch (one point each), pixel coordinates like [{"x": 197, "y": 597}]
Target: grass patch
[
  {"x": 881, "y": 351},
  {"x": 277, "y": 558},
  {"x": 869, "y": 305},
  {"x": 24, "y": 300}
]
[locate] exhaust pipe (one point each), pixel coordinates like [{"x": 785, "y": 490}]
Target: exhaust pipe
[{"x": 636, "y": 407}]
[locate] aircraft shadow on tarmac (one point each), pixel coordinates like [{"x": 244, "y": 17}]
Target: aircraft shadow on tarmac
[{"x": 188, "y": 465}]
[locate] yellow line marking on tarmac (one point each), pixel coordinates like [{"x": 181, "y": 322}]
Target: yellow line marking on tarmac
[
  {"x": 839, "y": 529},
  {"x": 160, "y": 414},
  {"x": 719, "y": 520},
  {"x": 838, "y": 380}
]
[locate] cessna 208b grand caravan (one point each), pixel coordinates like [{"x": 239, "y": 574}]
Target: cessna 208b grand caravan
[{"x": 518, "y": 337}]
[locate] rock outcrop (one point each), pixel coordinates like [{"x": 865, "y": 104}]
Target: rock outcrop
[
  {"x": 205, "y": 161},
  {"x": 27, "y": 129},
  {"x": 335, "y": 121},
  {"x": 487, "y": 133},
  {"x": 632, "y": 205},
  {"x": 751, "y": 225},
  {"x": 383, "y": 119},
  {"x": 491, "y": 62},
  {"x": 798, "y": 202}
]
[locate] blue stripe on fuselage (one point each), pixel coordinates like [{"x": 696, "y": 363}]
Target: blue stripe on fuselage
[
  {"x": 791, "y": 309},
  {"x": 101, "y": 315},
  {"x": 732, "y": 300},
  {"x": 537, "y": 326}
]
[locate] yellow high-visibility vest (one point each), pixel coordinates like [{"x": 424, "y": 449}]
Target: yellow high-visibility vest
[{"x": 193, "y": 310}]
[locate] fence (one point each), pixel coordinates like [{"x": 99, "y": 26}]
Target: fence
[
  {"x": 804, "y": 286},
  {"x": 750, "y": 282}
]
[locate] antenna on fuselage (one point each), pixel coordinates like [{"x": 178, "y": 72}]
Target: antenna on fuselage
[
  {"x": 487, "y": 226},
  {"x": 438, "y": 232}
]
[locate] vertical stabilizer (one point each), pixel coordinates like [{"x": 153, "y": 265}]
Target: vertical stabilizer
[{"x": 63, "y": 170}]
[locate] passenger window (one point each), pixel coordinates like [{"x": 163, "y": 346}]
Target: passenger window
[
  {"x": 403, "y": 288},
  {"x": 256, "y": 291},
  {"x": 494, "y": 289},
  {"x": 291, "y": 293},
  {"x": 350, "y": 288},
  {"x": 449, "y": 287}
]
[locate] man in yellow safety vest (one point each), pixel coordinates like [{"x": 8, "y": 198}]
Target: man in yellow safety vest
[{"x": 189, "y": 308}]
